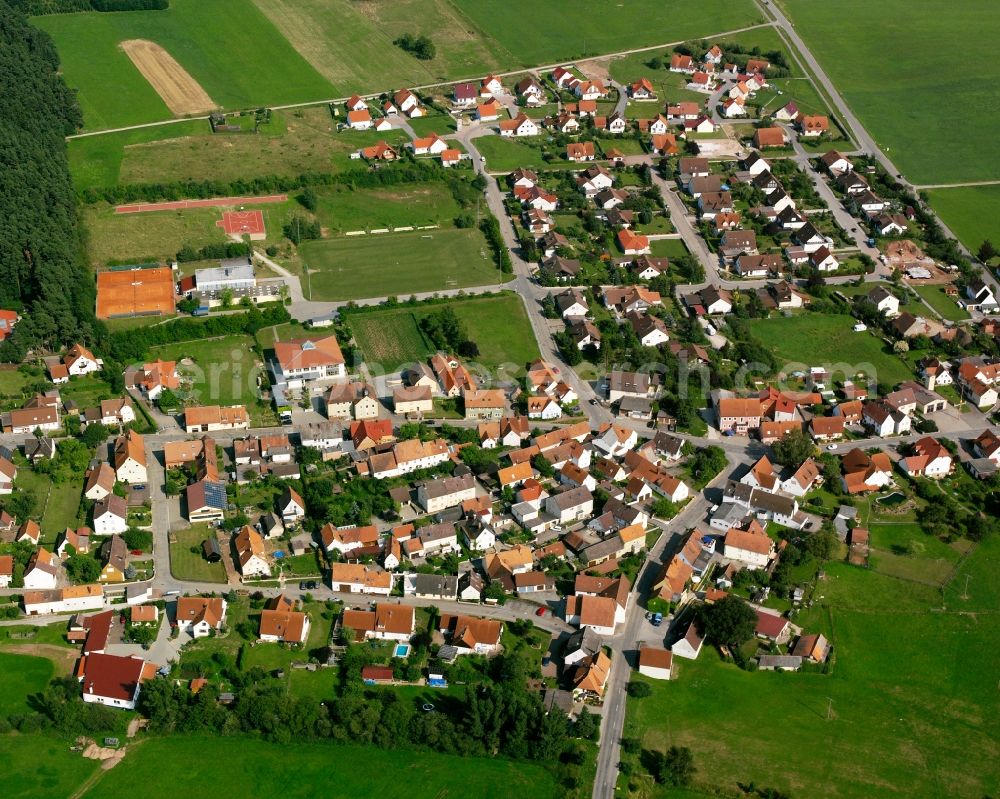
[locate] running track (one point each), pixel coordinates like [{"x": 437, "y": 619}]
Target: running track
[{"x": 177, "y": 205}]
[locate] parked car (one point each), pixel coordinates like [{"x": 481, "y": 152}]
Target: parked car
[
  {"x": 657, "y": 619},
  {"x": 541, "y": 611}
]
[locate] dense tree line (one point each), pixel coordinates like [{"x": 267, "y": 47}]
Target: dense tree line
[
  {"x": 405, "y": 171},
  {"x": 491, "y": 229},
  {"x": 418, "y": 46},
  {"x": 128, "y": 346},
  {"x": 42, "y": 271}
]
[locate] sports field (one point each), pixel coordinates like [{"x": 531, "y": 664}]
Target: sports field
[
  {"x": 254, "y": 769},
  {"x": 898, "y": 70},
  {"x": 398, "y": 263},
  {"x": 233, "y": 52},
  {"x": 498, "y": 325},
  {"x": 813, "y": 339},
  {"x": 972, "y": 213},
  {"x": 915, "y": 686},
  {"x": 23, "y": 675},
  {"x": 543, "y": 32}
]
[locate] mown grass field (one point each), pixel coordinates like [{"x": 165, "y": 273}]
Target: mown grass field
[
  {"x": 254, "y": 769},
  {"x": 185, "y": 564},
  {"x": 350, "y": 44},
  {"x": 972, "y": 213},
  {"x": 499, "y": 325},
  {"x": 227, "y": 46},
  {"x": 542, "y": 33},
  {"x": 56, "y": 504},
  {"x": 40, "y": 766},
  {"x": 899, "y": 72},
  {"x": 813, "y": 339},
  {"x": 398, "y": 206},
  {"x": 506, "y": 155},
  {"x": 397, "y": 263},
  {"x": 918, "y": 688},
  {"x": 23, "y": 675}
]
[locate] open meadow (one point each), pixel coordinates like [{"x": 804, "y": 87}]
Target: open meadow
[
  {"x": 253, "y": 769},
  {"x": 351, "y": 44},
  {"x": 972, "y": 213},
  {"x": 499, "y": 325},
  {"x": 228, "y": 46},
  {"x": 899, "y": 72},
  {"x": 295, "y": 141},
  {"x": 543, "y": 33},
  {"x": 397, "y": 264},
  {"x": 23, "y": 675},
  {"x": 813, "y": 339},
  {"x": 40, "y": 766},
  {"x": 918, "y": 688}
]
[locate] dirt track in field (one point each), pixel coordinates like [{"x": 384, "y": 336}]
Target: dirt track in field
[{"x": 182, "y": 93}]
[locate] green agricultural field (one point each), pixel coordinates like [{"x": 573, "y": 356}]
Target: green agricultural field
[
  {"x": 542, "y": 33},
  {"x": 252, "y": 768},
  {"x": 941, "y": 302},
  {"x": 187, "y": 565},
  {"x": 398, "y": 263},
  {"x": 972, "y": 213},
  {"x": 917, "y": 687},
  {"x": 95, "y": 161},
  {"x": 499, "y": 325},
  {"x": 64, "y": 771},
  {"x": 900, "y": 75},
  {"x": 228, "y": 46},
  {"x": 23, "y": 675},
  {"x": 351, "y": 44},
  {"x": 812, "y": 339}
]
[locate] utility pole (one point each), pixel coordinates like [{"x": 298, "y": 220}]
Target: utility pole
[
  {"x": 965, "y": 593},
  {"x": 829, "y": 708}
]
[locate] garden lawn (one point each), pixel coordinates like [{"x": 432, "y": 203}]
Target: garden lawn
[
  {"x": 187, "y": 565},
  {"x": 63, "y": 773},
  {"x": 398, "y": 264},
  {"x": 499, "y": 325},
  {"x": 228, "y": 46},
  {"x": 56, "y": 504},
  {"x": 668, "y": 248},
  {"x": 542, "y": 33},
  {"x": 222, "y": 370},
  {"x": 972, "y": 213},
  {"x": 253, "y": 769},
  {"x": 812, "y": 339},
  {"x": 941, "y": 302},
  {"x": 904, "y": 60},
  {"x": 905, "y": 551},
  {"x": 23, "y": 675}
]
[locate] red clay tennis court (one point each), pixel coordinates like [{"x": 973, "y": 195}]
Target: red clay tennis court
[
  {"x": 243, "y": 223},
  {"x": 217, "y": 202},
  {"x": 135, "y": 292}
]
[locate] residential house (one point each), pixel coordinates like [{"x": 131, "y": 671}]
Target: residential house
[
  {"x": 251, "y": 554},
  {"x": 200, "y": 616},
  {"x": 304, "y": 360},
  {"x": 929, "y": 458},
  {"x": 209, "y": 418},
  {"x": 130, "y": 459},
  {"x": 113, "y": 680},
  {"x": 110, "y": 515},
  {"x": 385, "y": 623},
  {"x": 356, "y": 578},
  {"x": 447, "y": 492},
  {"x": 656, "y": 663}
]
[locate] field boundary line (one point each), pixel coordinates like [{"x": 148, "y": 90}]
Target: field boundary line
[{"x": 421, "y": 87}]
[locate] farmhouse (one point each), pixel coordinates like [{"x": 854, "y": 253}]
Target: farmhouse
[{"x": 112, "y": 680}]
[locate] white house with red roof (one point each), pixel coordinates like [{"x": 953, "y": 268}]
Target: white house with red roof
[
  {"x": 302, "y": 360},
  {"x": 113, "y": 680}
]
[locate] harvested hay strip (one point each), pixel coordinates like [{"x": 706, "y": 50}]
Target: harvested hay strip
[{"x": 182, "y": 93}]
